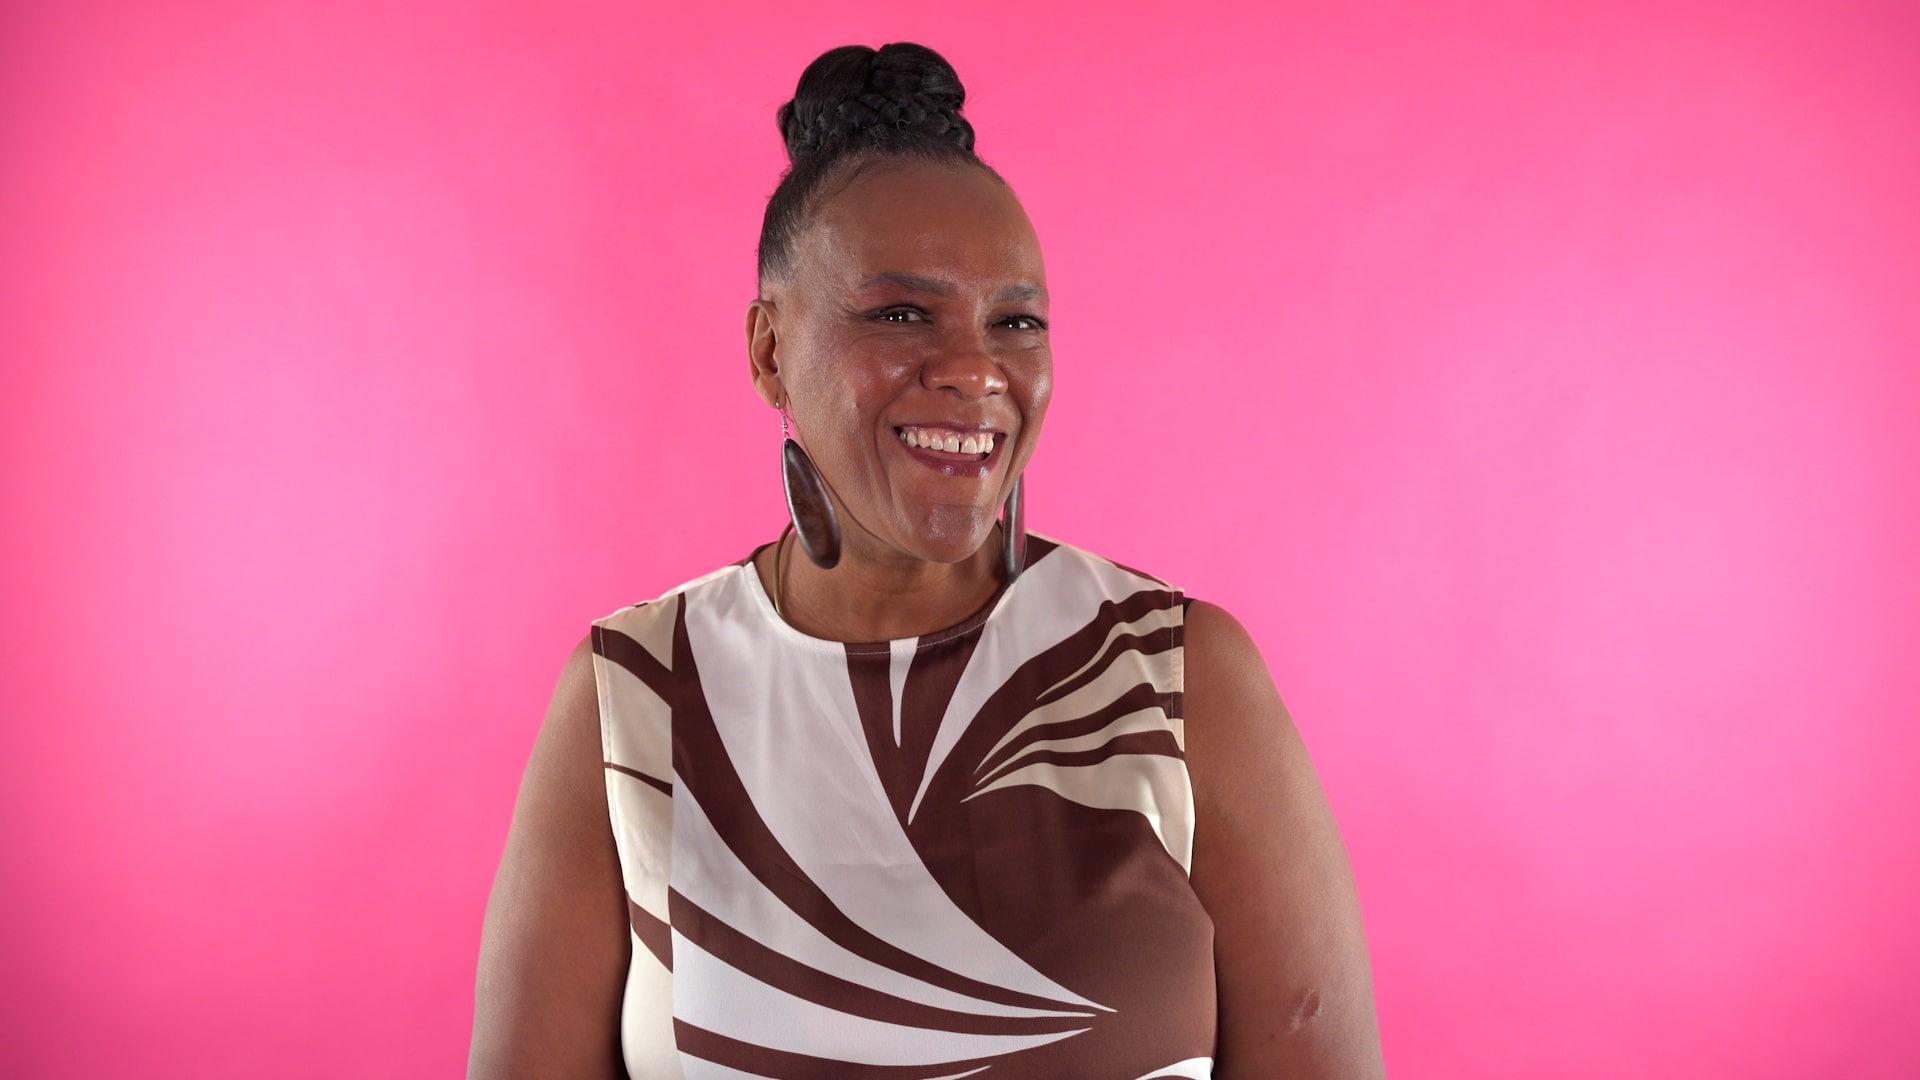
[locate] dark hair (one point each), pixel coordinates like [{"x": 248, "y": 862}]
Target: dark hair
[{"x": 856, "y": 105}]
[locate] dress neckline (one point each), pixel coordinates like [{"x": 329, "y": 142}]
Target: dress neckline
[{"x": 763, "y": 604}]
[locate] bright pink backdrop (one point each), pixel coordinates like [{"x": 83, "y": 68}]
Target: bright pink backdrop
[{"x": 1539, "y": 385}]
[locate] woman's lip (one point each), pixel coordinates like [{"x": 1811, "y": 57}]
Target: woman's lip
[{"x": 957, "y": 429}]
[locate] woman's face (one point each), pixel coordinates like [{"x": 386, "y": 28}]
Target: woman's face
[{"x": 913, "y": 318}]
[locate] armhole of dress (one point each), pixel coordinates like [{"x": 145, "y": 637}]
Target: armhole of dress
[
  {"x": 1177, "y": 721},
  {"x": 602, "y": 695},
  {"x": 1176, "y": 705}
]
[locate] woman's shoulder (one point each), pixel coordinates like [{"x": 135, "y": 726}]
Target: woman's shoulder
[
  {"x": 1234, "y": 714},
  {"x": 1224, "y": 647}
]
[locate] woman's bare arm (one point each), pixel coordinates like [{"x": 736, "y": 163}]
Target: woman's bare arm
[
  {"x": 1296, "y": 991},
  {"x": 555, "y": 948}
]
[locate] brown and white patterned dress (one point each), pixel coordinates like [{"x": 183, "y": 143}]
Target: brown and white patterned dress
[{"x": 963, "y": 854}]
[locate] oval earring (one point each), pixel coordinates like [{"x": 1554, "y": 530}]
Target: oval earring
[
  {"x": 1013, "y": 519},
  {"x": 814, "y": 519}
]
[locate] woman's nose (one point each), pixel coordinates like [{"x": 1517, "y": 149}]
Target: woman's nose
[{"x": 967, "y": 366}]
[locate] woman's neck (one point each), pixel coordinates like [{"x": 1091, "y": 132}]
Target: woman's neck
[{"x": 877, "y": 595}]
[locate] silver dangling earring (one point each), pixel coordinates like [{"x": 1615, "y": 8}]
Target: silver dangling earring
[
  {"x": 814, "y": 520},
  {"x": 1013, "y": 519}
]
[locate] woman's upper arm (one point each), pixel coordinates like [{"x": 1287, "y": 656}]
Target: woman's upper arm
[
  {"x": 554, "y": 949},
  {"x": 1296, "y": 992}
]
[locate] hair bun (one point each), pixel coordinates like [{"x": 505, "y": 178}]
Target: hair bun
[{"x": 854, "y": 97}]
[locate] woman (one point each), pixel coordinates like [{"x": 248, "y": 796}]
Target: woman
[{"x": 908, "y": 792}]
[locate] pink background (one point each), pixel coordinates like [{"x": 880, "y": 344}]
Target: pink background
[{"x": 1539, "y": 385}]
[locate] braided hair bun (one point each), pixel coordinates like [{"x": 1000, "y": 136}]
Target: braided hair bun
[
  {"x": 855, "y": 105},
  {"x": 855, "y": 98}
]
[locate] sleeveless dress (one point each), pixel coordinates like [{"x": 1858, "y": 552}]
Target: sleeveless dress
[{"x": 964, "y": 854}]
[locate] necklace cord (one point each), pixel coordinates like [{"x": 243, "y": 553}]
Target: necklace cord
[{"x": 779, "y": 549}]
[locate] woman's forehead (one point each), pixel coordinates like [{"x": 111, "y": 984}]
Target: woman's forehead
[{"x": 925, "y": 226}]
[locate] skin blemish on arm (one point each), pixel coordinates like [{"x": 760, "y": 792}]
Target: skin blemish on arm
[{"x": 1305, "y": 1011}]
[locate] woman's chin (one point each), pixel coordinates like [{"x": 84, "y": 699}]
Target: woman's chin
[{"x": 952, "y": 540}]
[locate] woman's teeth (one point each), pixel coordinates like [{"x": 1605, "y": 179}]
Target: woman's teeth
[{"x": 951, "y": 442}]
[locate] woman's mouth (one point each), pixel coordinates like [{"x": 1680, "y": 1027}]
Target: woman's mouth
[{"x": 949, "y": 444}]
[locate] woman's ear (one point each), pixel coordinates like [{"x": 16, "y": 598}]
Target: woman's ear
[{"x": 763, "y": 354}]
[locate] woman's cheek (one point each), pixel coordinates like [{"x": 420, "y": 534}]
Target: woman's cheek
[{"x": 1039, "y": 383}]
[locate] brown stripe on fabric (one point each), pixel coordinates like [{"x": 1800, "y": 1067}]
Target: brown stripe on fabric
[
  {"x": 652, "y": 932},
  {"x": 764, "y": 1061},
  {"x": 620, "y": 649},
  {"x": 1177, "y": 633},
  {"x": 1139, "y": 696},
  {"x": 1151, "y": 643},
  {"x": 1031, "y": 681},
  {"x": 705, "y": 772},
  {"x": 782, "y": 972},
  {"x": 869, "y": 673},
  {"x": 1140, "y": 742},
  {"x": 932, "y": 675},
  {"x": 1022, "y": 691},
  {"x": 665, "y": 788},
  {"x": 1038, "y": 547},
  {"x": 931, "y": 680}
]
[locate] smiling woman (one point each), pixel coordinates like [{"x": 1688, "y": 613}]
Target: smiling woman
[
  {"x": 932, "y": 797},
  {"x": 915, "y": 314}
]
